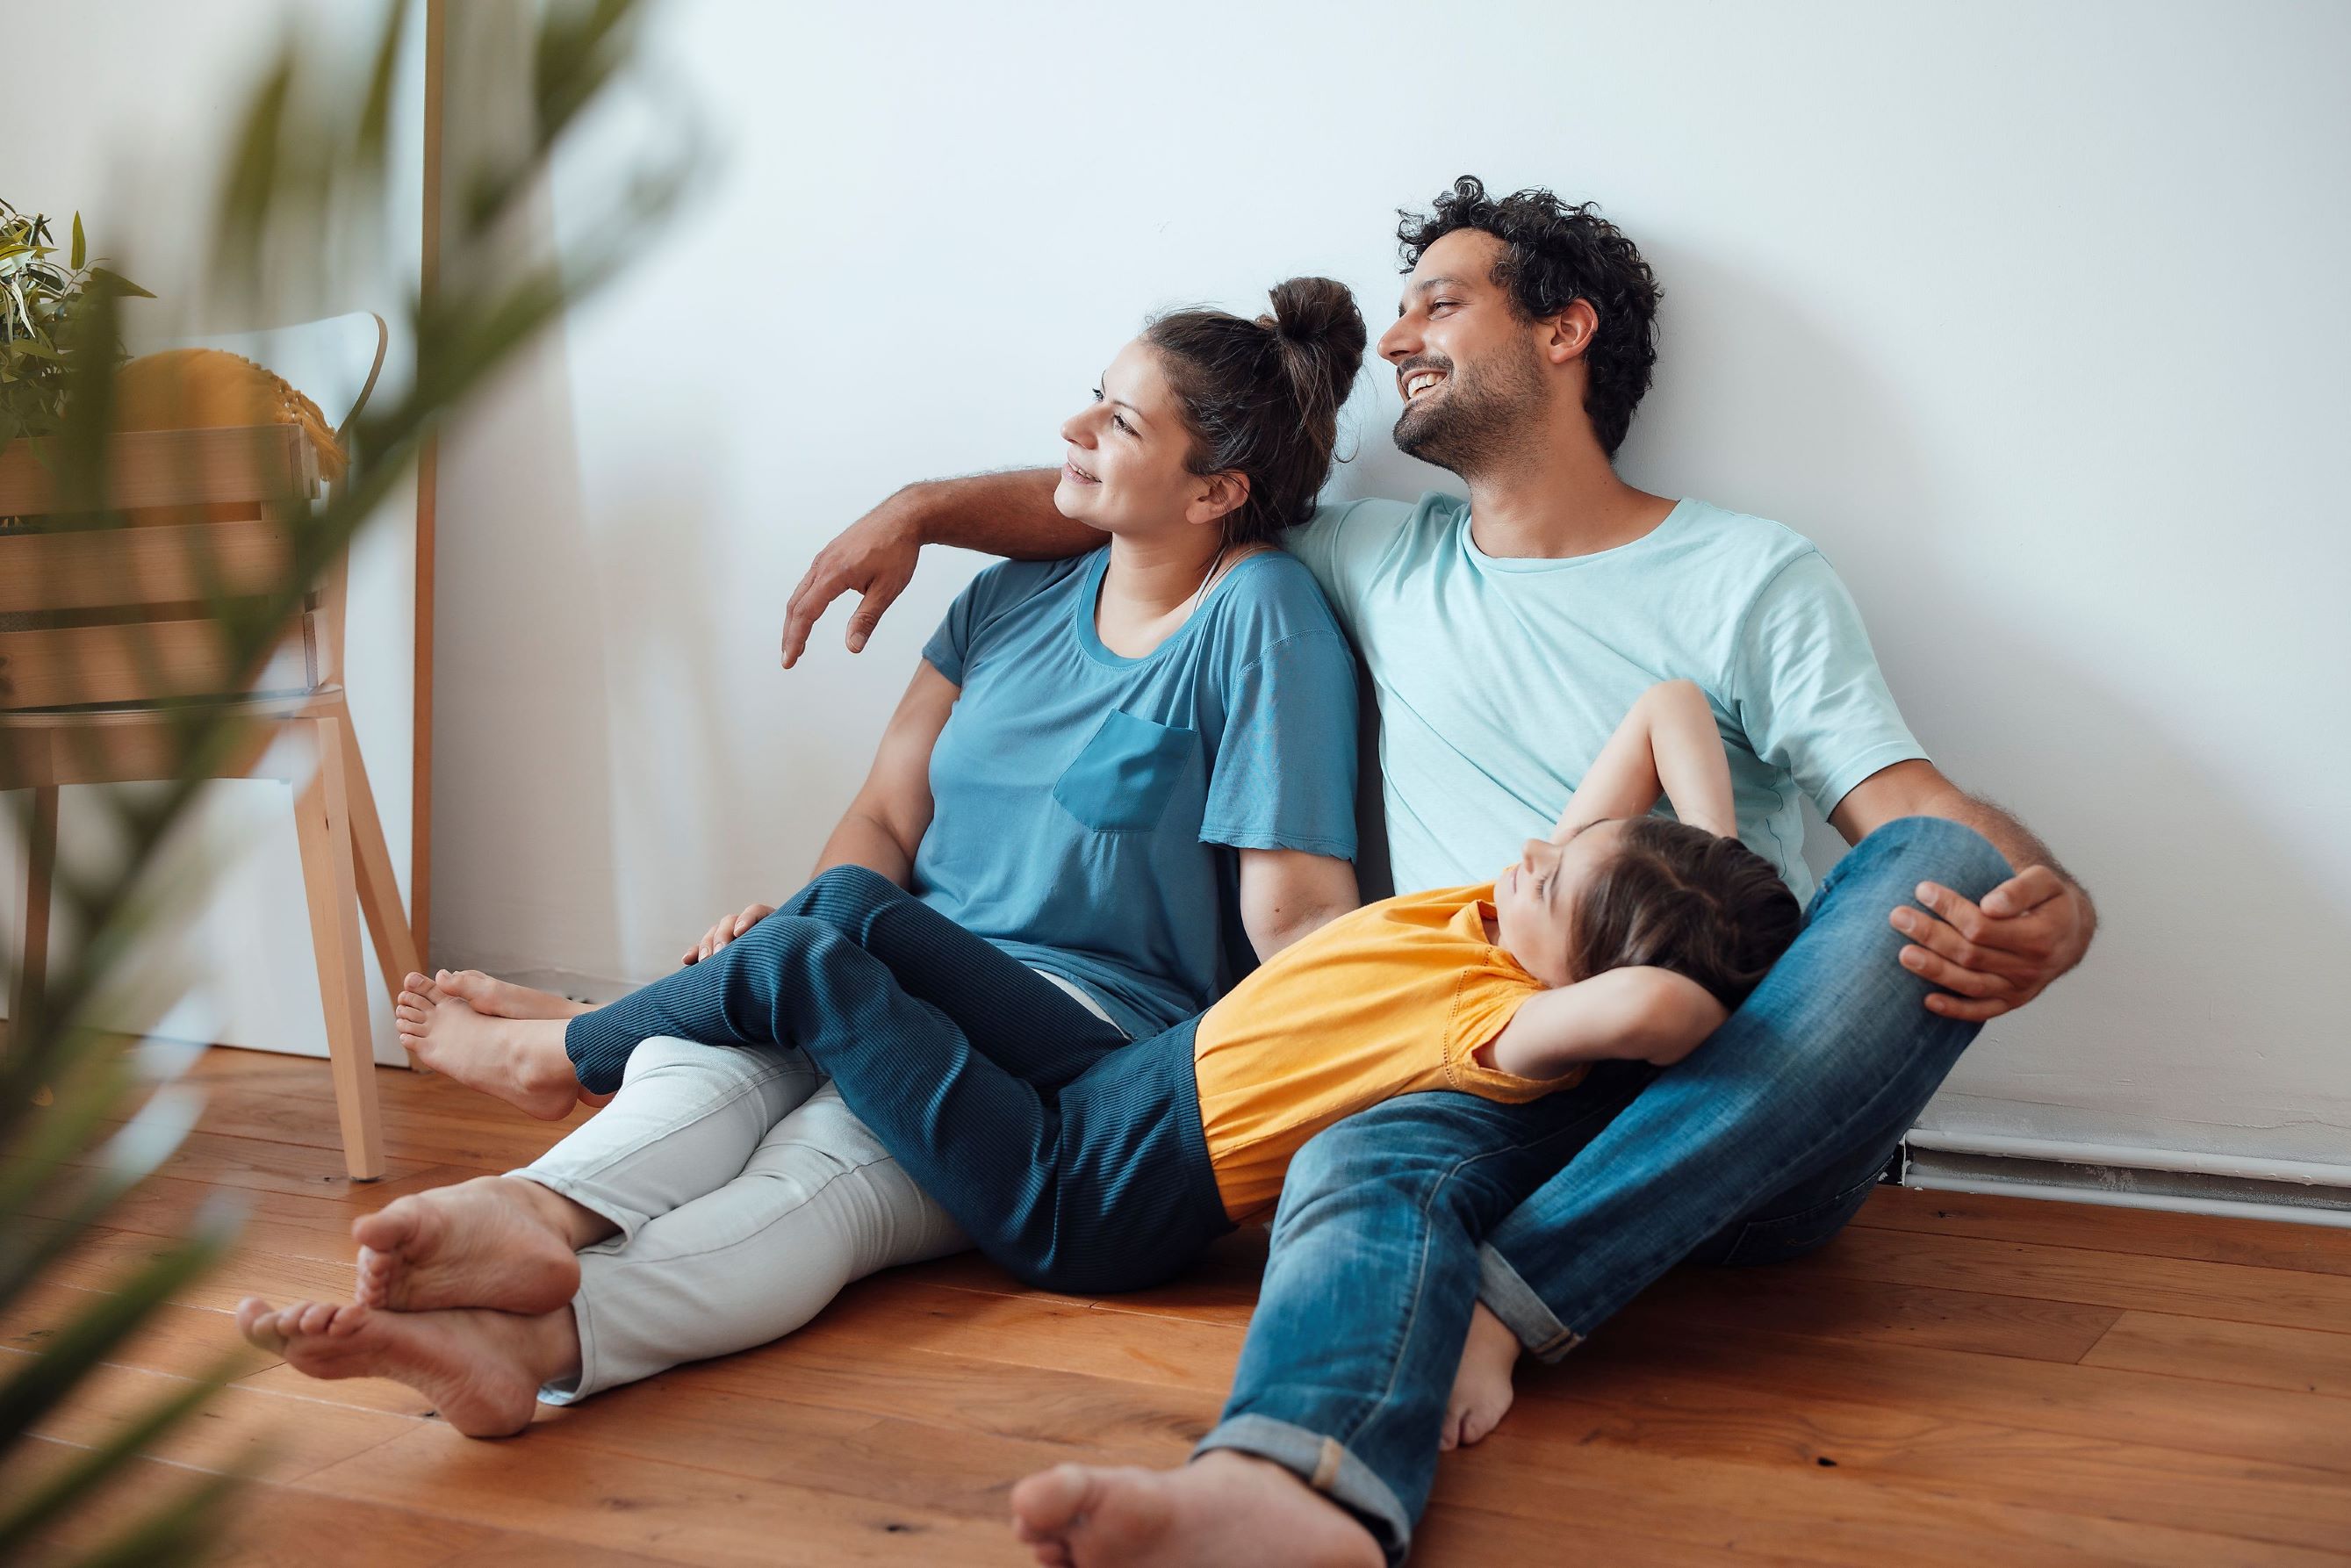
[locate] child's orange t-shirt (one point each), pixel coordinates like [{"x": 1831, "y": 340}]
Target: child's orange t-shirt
[{"x": 1392, "y": 998}]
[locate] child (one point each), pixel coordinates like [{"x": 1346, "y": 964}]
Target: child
[{"x": 1082, "y": 1163}]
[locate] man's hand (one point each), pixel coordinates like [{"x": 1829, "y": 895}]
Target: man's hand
[
  {"x": 874, "y": 557},
  {"x": 1993, "y": 958},
  {"x": 729, "y": 927}
]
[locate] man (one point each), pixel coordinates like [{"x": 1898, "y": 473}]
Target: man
[{"x": 1523, "y": 342}]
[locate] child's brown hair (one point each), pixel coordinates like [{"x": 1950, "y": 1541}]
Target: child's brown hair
[{"x": 1680, "y": 898}]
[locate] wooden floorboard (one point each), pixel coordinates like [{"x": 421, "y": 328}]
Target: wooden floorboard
[{"x": 1956, "y": 1380}]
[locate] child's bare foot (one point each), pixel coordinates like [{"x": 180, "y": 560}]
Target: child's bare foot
[
  {"x": 1222, "y": 1508},
  {"x": 1481, "y": 1388},
  {"x": 499, "y": 998},
  {"x": 482, "y": 1371},
  {"x": 494, "y": 1241},
  {"x": 520, "y": 1060}
]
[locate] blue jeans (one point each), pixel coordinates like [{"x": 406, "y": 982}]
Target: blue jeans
[
  {"x": 1757, "y": 1148},
  {"x": 1068, "y": 1156}
]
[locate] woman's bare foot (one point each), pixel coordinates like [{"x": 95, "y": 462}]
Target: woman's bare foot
[
  {"x": 520, "y": 1060},
  {"x": 498, "y": 998},
  {"x": 482, "y": 1371},
  {"x": 1481, "y": 1388},
  {"x": 502, "y": 1242},
  {"x": 1223, "y": 1507}
]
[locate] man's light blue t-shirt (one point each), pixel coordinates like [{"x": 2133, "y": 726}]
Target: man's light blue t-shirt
[
  {"x": 1088, "y": 806},
  {"x": 1499, "y": 679}
]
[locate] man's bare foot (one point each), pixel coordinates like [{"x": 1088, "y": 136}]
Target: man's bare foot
[
  {"x": 1481, "y": 1388},
  {"x": 1223, "y": 1507},
  {"x": 502, "y": 1242},
  {"x": 498, "y": 998},
  {"x": 482, "y": 1371},
  {"x": 520, "y": 1060}
]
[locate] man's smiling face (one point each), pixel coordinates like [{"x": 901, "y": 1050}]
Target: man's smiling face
[{"x": 1467, "y": 365}]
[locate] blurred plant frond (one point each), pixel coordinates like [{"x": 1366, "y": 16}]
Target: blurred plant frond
[{"x": 301, "y": 211}]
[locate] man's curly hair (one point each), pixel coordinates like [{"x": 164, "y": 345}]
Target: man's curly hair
[{"x": 1554, "y": 255}]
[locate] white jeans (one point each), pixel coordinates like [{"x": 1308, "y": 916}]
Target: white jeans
[{"x": 747, "y": 1198}]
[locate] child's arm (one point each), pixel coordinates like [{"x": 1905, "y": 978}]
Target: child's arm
[
  {"x": 1667, "y": 746},
  {"x": 1634, "y": 1014}
]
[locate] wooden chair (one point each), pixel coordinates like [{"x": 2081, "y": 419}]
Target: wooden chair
[{"x": 107, "y": 622}]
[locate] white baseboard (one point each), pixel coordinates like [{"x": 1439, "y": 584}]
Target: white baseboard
[{"x": 2303, "y": 1192}]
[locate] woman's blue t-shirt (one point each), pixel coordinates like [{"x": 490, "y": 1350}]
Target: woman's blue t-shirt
[{"x": 1087, "y": 807}]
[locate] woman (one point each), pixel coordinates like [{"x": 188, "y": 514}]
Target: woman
[{"x": 1092, "y": 756}]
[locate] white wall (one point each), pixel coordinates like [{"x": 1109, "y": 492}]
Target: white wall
[
  {"x": 2030, "y": 316},
  {"x": 122, "y": 108}
]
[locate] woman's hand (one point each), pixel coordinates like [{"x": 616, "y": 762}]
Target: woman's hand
[{"x": 729, "y": 927}]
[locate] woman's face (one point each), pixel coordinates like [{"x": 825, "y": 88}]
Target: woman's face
[{"x": 1123, "y": 469}]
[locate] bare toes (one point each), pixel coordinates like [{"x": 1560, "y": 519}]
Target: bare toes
[{"x": 257, "y": 1320}]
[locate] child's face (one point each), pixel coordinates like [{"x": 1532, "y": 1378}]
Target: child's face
[{"x": 1534, "y": 899}]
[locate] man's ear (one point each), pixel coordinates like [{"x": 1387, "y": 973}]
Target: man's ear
[
  {"x": 1219, "y": 494},
  {"x": 1568, "y": 335}
]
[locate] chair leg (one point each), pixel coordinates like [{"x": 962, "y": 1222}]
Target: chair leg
[
  {"x": 322, "y": 824},
  {"x": 40, "y": 870},
  {"x": 379, "y": 889}
]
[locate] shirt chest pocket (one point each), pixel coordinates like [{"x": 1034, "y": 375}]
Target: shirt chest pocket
[{"x": 1123, "y": 781}]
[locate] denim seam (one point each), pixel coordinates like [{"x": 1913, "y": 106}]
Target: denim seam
[
  {"x": 581, "y": 1384},
  {"x": 765, "y": 1226},
  {"x": 1420, "y": 1271},
  {"x": 1305, "y": 1454}
]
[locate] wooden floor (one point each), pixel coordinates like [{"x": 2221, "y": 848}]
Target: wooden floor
[{"x": 1971, "y": 1381}]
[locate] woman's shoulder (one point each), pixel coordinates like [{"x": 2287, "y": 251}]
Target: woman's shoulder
[{"x": 1270, "y": 596}]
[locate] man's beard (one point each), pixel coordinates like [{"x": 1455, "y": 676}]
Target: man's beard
[{"x": 1474, "y": 421}]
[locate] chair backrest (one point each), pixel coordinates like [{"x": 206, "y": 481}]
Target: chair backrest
[
  {"x": 334, "y": 360},
  {"x": 115, "y": 616}
]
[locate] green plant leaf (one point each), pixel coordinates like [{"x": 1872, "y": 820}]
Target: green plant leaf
[
  {"x": 117, "y": 283},
  {"x": 32, "y": 1514},
  {"x": 185, "y": 1530},
  {"x": 81, "y": 251}
]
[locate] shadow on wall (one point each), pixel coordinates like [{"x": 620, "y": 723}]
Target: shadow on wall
[
  {"x": 688, "y": 804},
  {"x": 2198, "y": 1007},
  {"x": 522, "y": 786}
]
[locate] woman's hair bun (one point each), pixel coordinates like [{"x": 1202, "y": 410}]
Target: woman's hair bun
[
  {"x": 1319, "y": 316},
  {"x": 1261, "y": 397}
]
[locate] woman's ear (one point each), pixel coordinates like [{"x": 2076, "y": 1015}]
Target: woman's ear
[{"x": 1218, "y": 495}]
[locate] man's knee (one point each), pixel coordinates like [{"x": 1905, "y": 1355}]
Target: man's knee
[{"x": 1928, "y": 849}]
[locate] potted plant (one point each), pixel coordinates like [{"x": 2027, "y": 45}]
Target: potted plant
[{"x": 41, "y": 304}]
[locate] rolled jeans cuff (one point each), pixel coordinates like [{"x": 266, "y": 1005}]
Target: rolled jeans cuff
[
  {"x": 1523, "y": 1312},
  {"x": 1325, "y": 1464}
]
